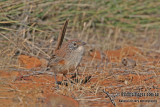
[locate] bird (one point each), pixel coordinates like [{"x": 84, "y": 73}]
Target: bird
[{"x": 67, "y": 58}]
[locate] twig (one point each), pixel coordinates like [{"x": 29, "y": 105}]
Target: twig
[
  {"x": 38, "y": 72},
  {"x": 5, "y": 97},
  {"x": 35, "y": 73},
  {"x": 111, "y": 98},
  {"x": 42, "y": 71}
]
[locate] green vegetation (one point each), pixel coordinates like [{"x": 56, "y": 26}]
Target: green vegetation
[
  {"x": 32, "y": 26},
  {"x": 128, "y": 15}
]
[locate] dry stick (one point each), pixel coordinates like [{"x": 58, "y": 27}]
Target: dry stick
[
  {"x": 112, "y": 100},
  {"x": 60, "y": 40}
]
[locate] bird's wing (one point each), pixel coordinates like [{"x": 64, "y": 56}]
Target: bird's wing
[{"x": 58, "y": 60}]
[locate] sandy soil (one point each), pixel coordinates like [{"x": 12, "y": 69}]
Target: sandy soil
[{"x": 124, "y": 77}]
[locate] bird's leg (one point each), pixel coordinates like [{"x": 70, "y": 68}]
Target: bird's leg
[
  {"x": 75, "y": 74},
  {"x": 55, "y": 77},
  {"x": 56, "y": 82},
  {"x": 65, "y": 82}
]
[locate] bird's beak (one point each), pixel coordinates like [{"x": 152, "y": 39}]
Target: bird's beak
[{"x": 83, "y": 43}]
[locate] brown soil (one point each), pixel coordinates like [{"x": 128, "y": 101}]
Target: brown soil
[{"x": 107, "y": 72}]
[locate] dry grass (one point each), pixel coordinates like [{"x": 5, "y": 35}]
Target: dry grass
[{"x": 31, "y": 28}]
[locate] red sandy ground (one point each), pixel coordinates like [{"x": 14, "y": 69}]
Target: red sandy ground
[{"x": 39, "y": 90}]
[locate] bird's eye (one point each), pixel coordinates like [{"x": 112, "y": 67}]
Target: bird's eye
[{"x": 74, "y": 44}]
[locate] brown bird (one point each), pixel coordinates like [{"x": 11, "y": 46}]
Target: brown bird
[{"x": 67, "y": 58}]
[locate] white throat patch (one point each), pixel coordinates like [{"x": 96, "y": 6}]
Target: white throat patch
[{"x": 80, "y": 49}]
